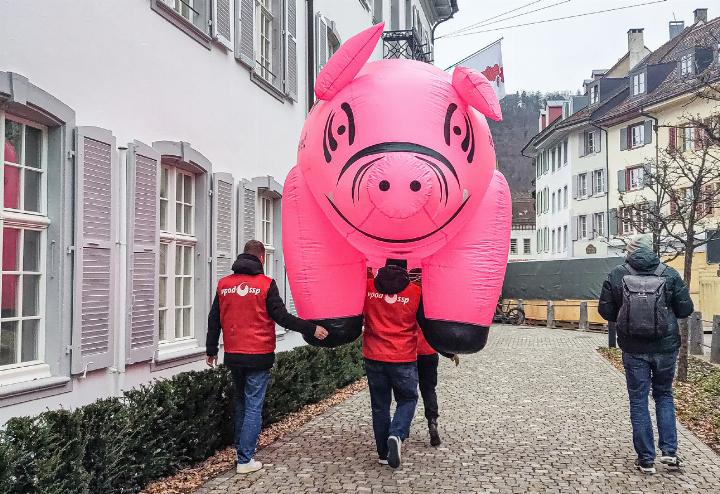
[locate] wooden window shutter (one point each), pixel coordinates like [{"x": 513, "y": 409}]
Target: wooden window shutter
[
  {"x": 622, "y": 183},
  {"x": 581, "y": 144},
  {"x": 698, "y": 137},
  {"x": 222, "y": 226},
  {"x": 648, "y": 131},
  {"x": 613, "y": 222},
  {"x": 143, "y": 251},
  {"x": 672, "y": 140},
  {"x": 245, "y": 32},
  {"x": 95, "y": 266},
  {"x": 321, "y": 42},
  {"x": 222, "y": 22},
  {"x": 291, "y": 62},
  {"x": 624, "y": 133},
  {"x": 574, "y": 183},
  {"x": 247, "y": 205}
]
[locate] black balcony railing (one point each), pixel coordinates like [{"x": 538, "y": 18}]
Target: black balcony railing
[{"x": 405, "y": 44}]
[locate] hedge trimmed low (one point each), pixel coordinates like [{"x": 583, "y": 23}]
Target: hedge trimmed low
[{"x": 119, "y": 445}]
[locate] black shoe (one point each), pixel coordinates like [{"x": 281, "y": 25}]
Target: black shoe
[
  {"x": 394, "y": 447},
  {"x": 671, "y": 461},
  {"x": 648, "y": 468},
  {"x": 434, "y": 434}
]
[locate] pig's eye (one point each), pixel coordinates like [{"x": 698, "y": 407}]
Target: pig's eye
[
  {"x": 343, "y": 125},
  {"x": 464, "y": 132}
]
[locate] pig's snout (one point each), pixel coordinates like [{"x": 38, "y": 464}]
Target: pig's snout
[{"x": 400, "y": 185}]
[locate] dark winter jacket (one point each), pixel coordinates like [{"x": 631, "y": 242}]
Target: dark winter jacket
[
  {"x": 251, "y": 265},
  {"x": 680, "y": 304}
]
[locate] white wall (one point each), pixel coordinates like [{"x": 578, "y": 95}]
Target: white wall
[
  {"x": 520, "y": 235},
  {"x": 122, "y": 66},
  {"x": 554, "y": 181}
]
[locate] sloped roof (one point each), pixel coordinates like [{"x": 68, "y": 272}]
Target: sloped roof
[{"x": 698, "y": 35}]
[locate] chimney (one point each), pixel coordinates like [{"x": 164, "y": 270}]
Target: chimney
[
  {"x": 700, "y": 15},
  {"x": 636, "y": 46},
  {"x": 676, "y": 27}
]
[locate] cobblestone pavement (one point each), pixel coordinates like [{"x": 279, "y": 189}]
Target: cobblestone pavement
[{"x": 537, "y": 411}]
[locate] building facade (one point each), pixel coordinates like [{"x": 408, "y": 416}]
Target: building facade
[{"x": 143, "y": 143}]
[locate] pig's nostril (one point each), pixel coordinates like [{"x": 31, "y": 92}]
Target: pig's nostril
[
  {"x": 415, "y": 186},
  {"x": 384, "y": 185}
]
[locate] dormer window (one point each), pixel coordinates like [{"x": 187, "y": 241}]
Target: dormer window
[
  {"x": 638, "y": 84},
  {"x": 594, "y": 94},
  {"x": 686, "y": 64}
]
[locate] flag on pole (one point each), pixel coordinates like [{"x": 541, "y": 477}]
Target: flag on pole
[{"x": 488, "y": 60}]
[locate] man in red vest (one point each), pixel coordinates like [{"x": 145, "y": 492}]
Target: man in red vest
[
  {"x": 390, "y": 350},
  {"x": 246, "y": 308}
]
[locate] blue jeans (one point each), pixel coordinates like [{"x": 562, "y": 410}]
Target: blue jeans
[
  {"x": 644, "y": 371},
  {"x": 384, "y": 380},
  {"x": 250, "y": 387}
]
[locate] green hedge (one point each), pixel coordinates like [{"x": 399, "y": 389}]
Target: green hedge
[{"x": 118, "y": 445}]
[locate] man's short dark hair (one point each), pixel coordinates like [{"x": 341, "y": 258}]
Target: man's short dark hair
[{"x": 255, "y": 248}]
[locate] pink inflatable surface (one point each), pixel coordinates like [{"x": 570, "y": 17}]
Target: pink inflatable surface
[{"x": 396, "y": 161}]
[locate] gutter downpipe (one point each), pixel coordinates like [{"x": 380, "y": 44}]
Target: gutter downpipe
[
  {"x": 432, "y": 31},
  {"x": 656, "y": 129},
  {"x": 310, "y": 53}
]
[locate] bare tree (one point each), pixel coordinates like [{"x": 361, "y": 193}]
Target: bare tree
[{"x": 678, "y": 200}]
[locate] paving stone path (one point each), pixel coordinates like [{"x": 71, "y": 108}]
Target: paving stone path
[{"x": 537, "y": 411}]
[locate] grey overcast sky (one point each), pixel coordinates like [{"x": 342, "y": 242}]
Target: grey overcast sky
[{"x": 559, "y": 55}]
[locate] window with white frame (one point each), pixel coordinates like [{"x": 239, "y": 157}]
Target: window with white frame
[
  {"x": 513, "y": 246},
  {"x": 264, "y": 39},
  {"x": 552, "y": 159},
  {"x": 565, "y": 238},
  {"x": 686, "y": 64},
  {"x": 526, "y": 246},
  {"x": 637, "y": 135},
  {"x": 636, "y": 178},
  {"x": 599, "y": 222},
  {"x": 23, "y": 146},
  {"x": 688, "y": 138},
  {"x": 554, "y": 245},
  {"x": 565, "y": 196},
  {"x": 598, "y": 182},
  {"x": 553, "y": 202},
  {"x": 190, "y": 16},
  {"x": 538, "y": 240},
  {"x": 594, "y": 94},
  {"x": 582, "y": 227},
  {"x": 591, "y": 146},
  {"x": 582, "y": 185},
  {"x": 565, "y": 152},
  {"x": 638, "y": 85},
  {"x": 559, "y": 239},
  {"x": 177, "y": 254},
  {"x": 186, "y": 8},
  {"x": 266, "y": 232}
]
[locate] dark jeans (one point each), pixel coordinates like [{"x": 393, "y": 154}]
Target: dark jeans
[
  {"x": 385, "y": 380},
  {"x": 644, "y": 371},
  {"x": 250, "y": 387},
  {"x": 427, "y": 378}
]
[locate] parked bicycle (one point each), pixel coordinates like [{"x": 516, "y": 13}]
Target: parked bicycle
[{"x": 506, "y": 314}]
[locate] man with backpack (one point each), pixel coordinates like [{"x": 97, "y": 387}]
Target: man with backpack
[
  {"x": 246, "y": 308},
  {"x": 645, "y": 298}
]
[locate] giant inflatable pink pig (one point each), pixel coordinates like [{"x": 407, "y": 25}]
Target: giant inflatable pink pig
[{"x": 396, "y": 162}]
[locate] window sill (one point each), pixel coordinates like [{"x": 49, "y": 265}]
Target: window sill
[
  {"x": 181, "y": 23},
  {"x": 178, "y": 353},
  {"x": 269, "y": 88},
  {"x": 20, "y": 392}
]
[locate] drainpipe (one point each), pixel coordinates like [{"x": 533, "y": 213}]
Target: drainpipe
[
  {"x": 656, "y": 129},
  {"x": 607, "y": 178},
  {"x": 310, "y": 53},
  {"x": 453, "y": 9}
]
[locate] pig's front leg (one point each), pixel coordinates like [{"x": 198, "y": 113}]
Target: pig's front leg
[
  {"x": 327, "y": 276},
  {"x": 463, "y": 280}
]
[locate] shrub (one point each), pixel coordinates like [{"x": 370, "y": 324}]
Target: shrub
[{"x": 118, "y": 445}]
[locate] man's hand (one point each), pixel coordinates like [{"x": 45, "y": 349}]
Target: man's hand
[
  {"x": 211, "y": 361},
  {"x": 455, "y": 359},
  {"x": 320, "y": 332}
]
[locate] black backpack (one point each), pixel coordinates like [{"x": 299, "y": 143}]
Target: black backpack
[{"x": 644, "y": 312}]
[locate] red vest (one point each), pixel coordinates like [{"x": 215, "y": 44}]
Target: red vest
[
  {"x": 246, "y": 325},
  {"x": 423, "y": 347},
  {"x": 391, "y": 328}
]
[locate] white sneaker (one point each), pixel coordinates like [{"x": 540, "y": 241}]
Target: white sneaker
[
  {"x": 394, "y": 447},
  {"x": 382, "y": 462},
  {"x": 249, "y": 467},
  {"x": 671, "y": 460}
]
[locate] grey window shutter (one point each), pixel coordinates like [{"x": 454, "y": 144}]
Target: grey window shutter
[
  {"x": 581, "y": 144},
  {"x": 291, "y": 63},
  {"x": 222, "y": 224},
  {"x": 222, "y": 22},
  {"x": 143, "y": 251},
  {"x": 574, "y": 228},
  {"x": 245, "y": 32},
  {"x": 647, "y": 178},
  {"x": 95, "y": 265},
  {"x": 597, "y": 142},
  {"x": 289, "y": 301},
  {"x": 591, "y": 192},
  {"x": 592, "y": 226},
  {"x": 321, "y": 53},
  {"x": 613, "y": 222},
  {"x": 605, "y": 180},
  {"x": 621, "y": 181},
  {"x": 247, "y": 204},
  {"x": 648, "y": 131},
  {"x": 574, "y": 186},
  {"x": 623, "y": 139}
]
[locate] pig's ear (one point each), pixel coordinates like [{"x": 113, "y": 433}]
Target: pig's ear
[
  {"x": 345, "y": 64},
  {"x": 476, "y": 91}
]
